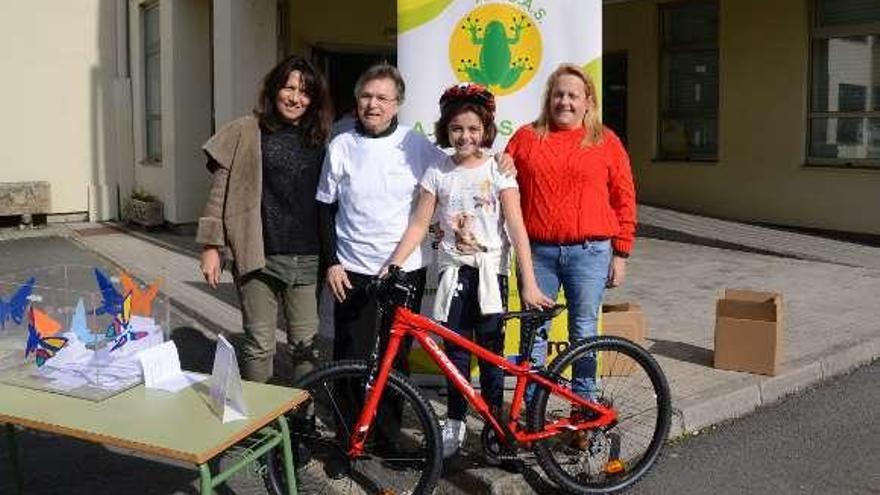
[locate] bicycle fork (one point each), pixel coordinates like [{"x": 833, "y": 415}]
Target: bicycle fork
[{"x": 375, "y": 388}]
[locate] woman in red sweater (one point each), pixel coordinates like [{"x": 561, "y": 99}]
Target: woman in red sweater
[{"x": 579, "y": 206}]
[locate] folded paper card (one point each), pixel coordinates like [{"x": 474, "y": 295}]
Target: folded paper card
[{"x": 227, "y": 399}]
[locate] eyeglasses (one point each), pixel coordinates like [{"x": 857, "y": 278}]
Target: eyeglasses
[{"x": 383, "y": 100}]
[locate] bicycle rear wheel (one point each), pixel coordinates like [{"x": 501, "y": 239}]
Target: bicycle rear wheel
[
  {"x": 614, "y": 457},
  {"x": 403, "y": 459}
]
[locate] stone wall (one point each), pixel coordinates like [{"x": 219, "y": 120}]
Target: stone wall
[{"x": 20, "y": 198}]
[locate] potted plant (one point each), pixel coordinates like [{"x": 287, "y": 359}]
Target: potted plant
[{"x": 144, "y": 209}]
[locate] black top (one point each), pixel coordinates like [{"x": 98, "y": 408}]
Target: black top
[{"x": 291, "y": 168}]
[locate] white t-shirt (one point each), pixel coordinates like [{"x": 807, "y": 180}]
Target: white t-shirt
[
  {"x": 375, "y": 182},
  {"x": 469, "y": 208}
]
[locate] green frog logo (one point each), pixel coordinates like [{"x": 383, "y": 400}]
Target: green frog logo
[{"x": 495, "y": 45}]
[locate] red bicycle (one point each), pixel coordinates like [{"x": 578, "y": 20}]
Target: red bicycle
[{"x": 370, "y": 430}]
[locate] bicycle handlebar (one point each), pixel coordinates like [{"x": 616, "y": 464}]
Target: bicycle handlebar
[
  {"x": 395, "y": 290},
  {"x": 395, "y": 279},
  {"x": 395, "y": 283}
]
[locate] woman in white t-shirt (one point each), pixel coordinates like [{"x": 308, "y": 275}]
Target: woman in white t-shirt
[{"x": 473, "y": 202}]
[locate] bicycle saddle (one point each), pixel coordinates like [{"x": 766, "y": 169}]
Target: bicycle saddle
[{"x": 535, "y": 315}]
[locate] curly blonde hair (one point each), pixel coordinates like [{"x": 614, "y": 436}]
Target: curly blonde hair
[{"x": 592, "y": 118}]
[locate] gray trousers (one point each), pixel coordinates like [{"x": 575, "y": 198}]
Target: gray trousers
[{"x": 261, "y": 294}]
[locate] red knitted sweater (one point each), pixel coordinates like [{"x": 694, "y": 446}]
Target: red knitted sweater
[{"x": 570, "y": 193}]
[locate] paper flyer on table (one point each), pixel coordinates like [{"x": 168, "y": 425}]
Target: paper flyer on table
[{"x": 161, "y": 367}]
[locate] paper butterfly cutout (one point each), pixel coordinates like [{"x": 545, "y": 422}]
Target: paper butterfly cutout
[
  {"x": 120, "y": 329},
  {"x": 142, "y": 300},
  {"x": 112, "y": 299},
  {"x": 81, "y": 330},
  {"x": 42, "y": 341},
  {"x": 120, "y": 320},
  {"x": 17, "y": 305}
]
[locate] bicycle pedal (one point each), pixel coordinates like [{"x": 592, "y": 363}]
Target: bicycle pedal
[
  {"x": 508, "y": 458},
  {"x": 509, "y": 463},
  {"x": 496, "y": 459},
  {"x": 614, "y": 466}
]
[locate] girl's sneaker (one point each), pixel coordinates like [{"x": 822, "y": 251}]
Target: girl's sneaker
[{"x": 454, "y": 431}]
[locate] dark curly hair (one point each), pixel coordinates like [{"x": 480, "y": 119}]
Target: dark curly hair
[
  {"x": 319, "y": 114},
  {"x": 451, "y": 110}
]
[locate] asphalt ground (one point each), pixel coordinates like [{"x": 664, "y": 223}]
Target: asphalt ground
[{"x": 825, "y": 440}]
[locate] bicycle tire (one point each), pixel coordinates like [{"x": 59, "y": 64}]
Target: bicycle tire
[
  {"x": 319, "y": 447},
  {"x": 637, "y": 390}
]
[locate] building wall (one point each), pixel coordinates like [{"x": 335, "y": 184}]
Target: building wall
[
  {"x": 180, "y": 180},
  {"x": 60, "y": 95},
  {"x": 151, "y": 177},
  {"x": 207, "y": 79},
  {"x": 764, "y": 89},
  {"x": 245, "y": 49},
  {"x": 190, "y": 101},
  {"x": 340, "y": 24}
]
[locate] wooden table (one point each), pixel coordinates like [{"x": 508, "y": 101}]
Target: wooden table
[{"x": 177, "y": 426}]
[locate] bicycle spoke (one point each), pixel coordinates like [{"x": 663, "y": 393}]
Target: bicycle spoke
[
  {"x": 340, "y": 419},
  {"x": 396, "y": 459}
]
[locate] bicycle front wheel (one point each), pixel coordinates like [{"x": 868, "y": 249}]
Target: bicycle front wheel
[
  {"x": 624, "y": 377},
  {"x": 402, "y": 454}
]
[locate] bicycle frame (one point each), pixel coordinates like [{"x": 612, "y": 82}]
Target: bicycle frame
[{"x": 407, "y": 323}]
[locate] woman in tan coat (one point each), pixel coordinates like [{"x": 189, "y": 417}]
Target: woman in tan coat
[{"x": 261, "y": 207}]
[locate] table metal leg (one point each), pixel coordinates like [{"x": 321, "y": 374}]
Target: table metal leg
[
  {"x": 289, "y": 471},
  {"x": 207, "y": 483},
  {"x": 267, "y": 439},
  {"x": 13, "y": 459}
]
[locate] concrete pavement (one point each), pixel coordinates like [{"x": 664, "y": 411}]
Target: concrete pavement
[{"x": 680, "y": 266}]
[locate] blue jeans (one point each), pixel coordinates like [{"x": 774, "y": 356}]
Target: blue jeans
[{"x": 582, "y": 272}]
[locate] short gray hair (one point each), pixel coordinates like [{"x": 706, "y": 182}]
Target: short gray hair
[{"x": 381, "y": 71}]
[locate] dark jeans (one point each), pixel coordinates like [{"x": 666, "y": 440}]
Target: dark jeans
[
  {"x": 486, "y": 330},
  {"x": 356, "y": 332}
]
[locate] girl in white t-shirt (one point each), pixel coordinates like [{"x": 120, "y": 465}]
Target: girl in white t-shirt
[{"x": 474, "y": 203}]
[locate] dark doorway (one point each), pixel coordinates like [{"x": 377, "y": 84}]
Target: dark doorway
[
  {"x": 342, "y": 70},
  {"x": 614, "y": 92}
]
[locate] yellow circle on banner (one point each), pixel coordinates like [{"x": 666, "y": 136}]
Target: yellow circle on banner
[{"x": 496, "y": 45}]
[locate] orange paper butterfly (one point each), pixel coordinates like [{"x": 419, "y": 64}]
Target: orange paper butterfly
[
  {"x": 41, "y": 337},
  {"x": 141, "y": 299}
]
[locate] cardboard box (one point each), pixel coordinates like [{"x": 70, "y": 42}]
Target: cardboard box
[
  {"x": 622, "y": 320},
  {"x": 748, "y": 331}
]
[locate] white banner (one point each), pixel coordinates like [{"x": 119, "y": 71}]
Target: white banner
[{"x": 510, "y": 46}]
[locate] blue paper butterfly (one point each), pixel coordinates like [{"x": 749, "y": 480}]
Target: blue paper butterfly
[
  {"x": 120, "y": 329},
  {"x": 80, "y": 328},
  {"x": 112, "y": 299},
  {"x": 17, "y": 305}
]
